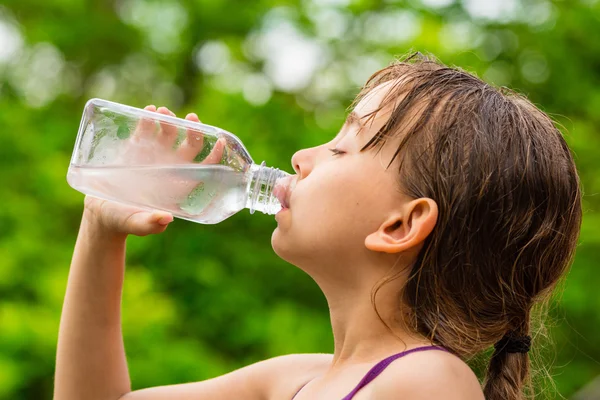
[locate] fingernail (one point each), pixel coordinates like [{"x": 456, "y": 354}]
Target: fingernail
[{"x": 165, "y": 220}]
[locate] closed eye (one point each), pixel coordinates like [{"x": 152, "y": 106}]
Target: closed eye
[{"x": 337, "y": 152}]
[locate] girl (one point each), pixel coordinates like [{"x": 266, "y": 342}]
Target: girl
[{"x": 434, "y": 221}]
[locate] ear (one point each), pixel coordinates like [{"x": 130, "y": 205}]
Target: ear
[{"x": 405, "y": 229}]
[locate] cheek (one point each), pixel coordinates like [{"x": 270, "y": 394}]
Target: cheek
[
  {"x": 332, "y": 193},
  {"x": 334, "y": 208},
  {"x": 332, "y": 213}
]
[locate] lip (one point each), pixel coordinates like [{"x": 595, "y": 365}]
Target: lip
[
  {"x": 282, "y": 192},
  {"x": 280, "y": 212}
]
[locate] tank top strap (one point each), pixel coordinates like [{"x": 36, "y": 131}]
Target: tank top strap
[
  {"x": 379, "y": 368},
  {"x": 383, "y": 364}
]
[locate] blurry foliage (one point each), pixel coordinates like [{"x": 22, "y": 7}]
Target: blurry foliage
[{"x": 202, "y": 300}]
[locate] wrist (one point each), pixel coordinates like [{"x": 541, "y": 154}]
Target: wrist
[{"x": 93, "y": 228}]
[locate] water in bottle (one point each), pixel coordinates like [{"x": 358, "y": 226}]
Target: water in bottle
[{"x": 125, "y": 154}]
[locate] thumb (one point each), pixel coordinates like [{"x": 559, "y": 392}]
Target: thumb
[{"x": 146, "y": 223}]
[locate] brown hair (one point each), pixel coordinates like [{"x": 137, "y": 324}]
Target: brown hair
[{"x": 509, "y": 203}]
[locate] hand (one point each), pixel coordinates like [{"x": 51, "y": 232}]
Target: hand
[{"x": 144, "y": 147}]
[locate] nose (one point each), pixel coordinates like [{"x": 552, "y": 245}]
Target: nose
[{"x": 303, "y": 162}]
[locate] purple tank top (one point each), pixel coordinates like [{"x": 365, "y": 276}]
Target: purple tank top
[{"x": 378, "y": 369}]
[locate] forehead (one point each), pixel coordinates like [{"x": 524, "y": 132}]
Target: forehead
[
  {"x": 372, "y": 100},
  {"x": 374, "y": 109}
]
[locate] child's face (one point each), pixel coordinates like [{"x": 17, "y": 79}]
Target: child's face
[{"x": 339, "y": 199}]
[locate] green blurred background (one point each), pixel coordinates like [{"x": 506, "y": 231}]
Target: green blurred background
[{"x": 202, "y": 300}]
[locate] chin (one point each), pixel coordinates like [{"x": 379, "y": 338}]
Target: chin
[
  {"x": 294, "y": 249},
  {"x": 286, "y": 247},
  {"x": 281, "y": 244}
]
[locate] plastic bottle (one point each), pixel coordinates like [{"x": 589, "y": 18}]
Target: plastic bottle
[{"x": 147, "y": 159}]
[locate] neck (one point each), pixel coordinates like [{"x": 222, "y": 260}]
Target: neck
[{"x": 359, "y": 331}]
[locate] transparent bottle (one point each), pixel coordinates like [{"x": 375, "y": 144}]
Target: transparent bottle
[{"x": 150, "y": 160}]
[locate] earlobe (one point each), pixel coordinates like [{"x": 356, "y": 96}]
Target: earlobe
[{"x": 406, "y": 229}]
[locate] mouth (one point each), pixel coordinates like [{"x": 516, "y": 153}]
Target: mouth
[
  {"x": 282, "y": 192},
  {"x": 281, "y": 195}
]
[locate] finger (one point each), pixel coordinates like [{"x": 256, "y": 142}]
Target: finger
[
  {"x": 216, "y": 153},
  {"x": 192, "y": 117},
  {"x": 146, "y": 223},
  {"x": 146, "y": 126},
  {"x": 162, "y": 218},
  {"x": 193, "y": 143},
  {"x": 168, "y": 132}
]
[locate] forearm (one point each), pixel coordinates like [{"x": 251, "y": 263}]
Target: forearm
[{"x": 90, "y": 362}]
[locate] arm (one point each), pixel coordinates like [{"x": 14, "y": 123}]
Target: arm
[
  {"x": 90, "y": 360},
  {"x": 276, "y": 378}
]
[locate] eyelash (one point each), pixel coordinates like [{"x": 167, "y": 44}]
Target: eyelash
[{"x": 337, "y": 152}]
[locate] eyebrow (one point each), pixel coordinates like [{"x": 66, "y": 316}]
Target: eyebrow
[{"x": 353, "y": 118}]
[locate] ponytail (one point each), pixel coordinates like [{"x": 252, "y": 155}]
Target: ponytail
[{"x": 508, "y": 371}]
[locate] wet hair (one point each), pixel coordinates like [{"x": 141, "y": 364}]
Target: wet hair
[{"x": 509, "y": 210}]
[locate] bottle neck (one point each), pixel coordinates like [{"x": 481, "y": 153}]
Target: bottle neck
[{"x": 262, "y": 181}]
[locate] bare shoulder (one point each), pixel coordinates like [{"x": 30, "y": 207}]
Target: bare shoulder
[
  {"x": 291, "y": 372},
  {"x": 428, "y": 375},
  {"x": 297, "y": 363},
  {"x": 275, "y": 378}
]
